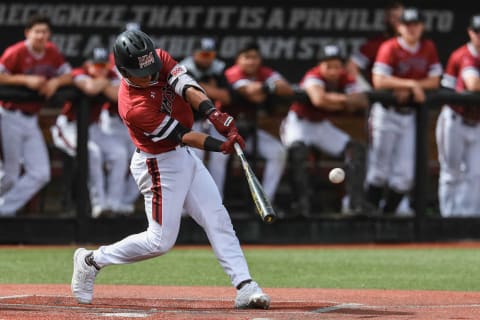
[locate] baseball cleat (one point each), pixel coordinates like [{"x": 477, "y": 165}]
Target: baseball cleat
[
  {"x": 251, "y": 296},
  {"x": 83, "y": 277}
]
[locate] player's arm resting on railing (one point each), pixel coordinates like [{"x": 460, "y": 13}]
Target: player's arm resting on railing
[
  {"x": 322, "y": 99},
  {"x": 111, "y": 91},
  {"x": 403, "y": 87},
  {"x": 472, "y": 80},
  {"x": 91, "y": 86},
  {"x": 33, "y": 82},
  {"x": 253, "y": 91},
  {"x": 51, "y": 86},
  {"x": 282, "y": 88}
]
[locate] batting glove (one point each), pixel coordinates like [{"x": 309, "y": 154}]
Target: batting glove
[
  {"x": 228, "y": 146},
  {"x": 223, "y": 122}
]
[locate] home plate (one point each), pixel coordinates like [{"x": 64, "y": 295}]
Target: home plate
[{"x": 125, "y": 314}]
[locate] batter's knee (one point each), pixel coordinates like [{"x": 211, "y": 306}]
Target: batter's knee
[{"x": 159, "y": 244}]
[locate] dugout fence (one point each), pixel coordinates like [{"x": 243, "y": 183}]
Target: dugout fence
[{"x": 82, "y": 228}]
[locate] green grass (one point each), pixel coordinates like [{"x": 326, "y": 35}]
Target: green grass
[{"x": 391, "y": 268}]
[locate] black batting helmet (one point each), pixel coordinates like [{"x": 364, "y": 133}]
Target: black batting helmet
[{"x": 135, "y": 54}]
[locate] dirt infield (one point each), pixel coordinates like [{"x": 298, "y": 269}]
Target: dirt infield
[{"x": 150, "y": 302}]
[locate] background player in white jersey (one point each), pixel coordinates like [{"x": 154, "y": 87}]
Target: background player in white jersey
[
  {"x": 458, "y": 132},
  {"x": 37, "y": 64},
  {"x": 329, "y": 88},
  {"x": 208, "y": 70},
  {"x": 408, "y": 65},
  {"x": 254, "y": 84},
  {"x": 156, "y": 97}
]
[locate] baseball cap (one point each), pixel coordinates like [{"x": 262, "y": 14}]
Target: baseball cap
[
  {"x": 412, "y": 15},
  {"x": 99, "y": 55},
  {"x": 475, "y": 23},
  {"x": 331, "y": 51},
  {"x": 205, "y": 44}
]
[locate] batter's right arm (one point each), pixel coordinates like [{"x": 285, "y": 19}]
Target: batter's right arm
[{"x": 206, "y": 142}]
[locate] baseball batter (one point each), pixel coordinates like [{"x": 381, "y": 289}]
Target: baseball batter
[
  {"x": 458, "y": 132},
  {"x": 408, "y": 65},
  {"x": 37, "y": 64},
  {"x": 328, "y": 86},
  {"x": 155, "y": 102},
  {"x": 254, "y": 83}
]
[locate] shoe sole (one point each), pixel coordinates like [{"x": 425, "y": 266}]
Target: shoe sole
[
  {"x": 79, "y": 300},
  {"x": 258, "y": 301}
]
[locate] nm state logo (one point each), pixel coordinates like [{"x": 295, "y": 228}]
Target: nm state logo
[{"x": 146, "y": 60}]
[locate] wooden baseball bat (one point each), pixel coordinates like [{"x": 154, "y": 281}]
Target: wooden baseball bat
[{"x": 262, "y": 204}]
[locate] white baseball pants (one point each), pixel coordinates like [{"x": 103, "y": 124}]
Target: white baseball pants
[
  {"x": 458, "y": 154},
  {"x": 22, "y": 144},
  {"x": 323, "y": 135},
  {"x": 168, "y": 182},
  {"x": 391, "y": 158}
]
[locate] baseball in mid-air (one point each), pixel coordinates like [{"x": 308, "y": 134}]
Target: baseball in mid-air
[{"x": 336, "y": 175}]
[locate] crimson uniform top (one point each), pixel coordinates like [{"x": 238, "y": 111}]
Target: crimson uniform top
[
  {"x": 20, "y": 59},
  {"x": 237, "y": 79},
  {"x": 463, "y": 61},
  {"x": 345, "y": 84},
  {"x": 96, "y": 107},
  {"x": 152, "y": 113},
  {"x": 366, "y": 54},
  {"x": 395, "y": 58}
]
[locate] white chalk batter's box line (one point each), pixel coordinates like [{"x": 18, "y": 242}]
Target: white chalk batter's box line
[{"x": 140, "y": 313}]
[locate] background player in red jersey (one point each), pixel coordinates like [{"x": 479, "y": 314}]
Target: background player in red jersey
[
  {"x": 458, "y": 132},
  {"x": 361, "y": 61},
  {"x": 37, "y": 64},
  {"x": 408, "y": 65},
  {"x": 328, "y": 86},
  {"x": 105, "y": 148},
  {"x": 156, "y": 98},
  {"x": 254, "y": 83}
]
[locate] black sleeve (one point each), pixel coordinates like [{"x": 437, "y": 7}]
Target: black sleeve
[{"x": 178, "y": 132}]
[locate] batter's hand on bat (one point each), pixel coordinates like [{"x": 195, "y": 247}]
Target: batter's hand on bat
[
  {"x": 223, "y": 122},
  {"x": 228, "y": 147}
]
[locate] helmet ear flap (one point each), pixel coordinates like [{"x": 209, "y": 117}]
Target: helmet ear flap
[{"x": 123, "y": 72}]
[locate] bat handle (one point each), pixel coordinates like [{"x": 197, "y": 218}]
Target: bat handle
[{"x": 238, "y": 149}]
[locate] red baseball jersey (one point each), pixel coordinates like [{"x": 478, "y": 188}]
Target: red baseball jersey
[
  {"x": 152, "y": 113},
  {"x": 345, "y": 84},
  {"x": 396, "y": 58},
  {"x": 237, "y": 79},
  {"x": 366, "y": 54},
  {"x": 463, "y": 61},
  {"x": 20, "y": 59},
  {"x": 96, "y": 107}
]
